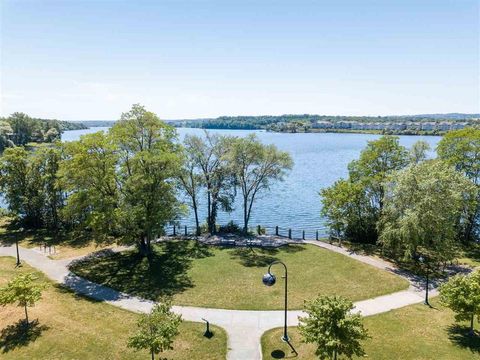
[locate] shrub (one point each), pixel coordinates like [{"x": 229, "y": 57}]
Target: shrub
[{"x": 230, "y": 228}]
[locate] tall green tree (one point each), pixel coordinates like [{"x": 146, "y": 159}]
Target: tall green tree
[
  {"x": 191, "y": 180},
  {"x": 51, "y": 135},
  {"x": 425, "y": 205},
  {"x": 149, "y": 162},
  {"x": 419, "y": 151},
  {"x": 46, "y": 161},
  {"x": 88, "y": 173},
  {"x": 5, "y": 131},
  {"x": 348, "y": 211},
  {"x": 365, "y": 188},
  {"x": 333, "y": 328},
  {"x": 157, "y": 330},
  {"x": 23, "y": 290},
  {"x": 256, "y": 166},
  {"x": 26, "y": 129},
  {"x": 462, "y": 294},
  {"x": 461, "y": 149},
  {"x": 14, "y": 180},
  {"x": 23, "y": 128},
  {"x": 122, "y": 184},
  {"x": 377, "y": 161},
  {"x": 28, "y": 181},
  {"x": 209, "y": 153}
]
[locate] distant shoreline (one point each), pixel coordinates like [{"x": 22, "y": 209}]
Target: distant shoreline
[
  {"x": 423, "y": 125},
  {"x": 374, "y": 132},
  {"x": 432, "y": 124}
]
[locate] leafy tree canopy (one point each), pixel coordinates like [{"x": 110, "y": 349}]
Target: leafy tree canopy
[
  {"x": 424, "y": 206},
  {"x": 255, "y": 166},
  {"x": 461, "y": 149},
  {"x": 333, "y": 328},
  {"x": 353, "y": 206},
  {"x": 462, "y": 294},
  {"x": 157, "y": 330},
  {"x": 23, "y": 290}
]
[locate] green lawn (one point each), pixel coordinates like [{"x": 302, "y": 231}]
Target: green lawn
[
  {"x": 73, "y": 327},
  {"x": 231, "y": 278},
  {"x": 61, "y": 245},
  {"x": 412, "y": 333},
  {"x": 470, "y": 255}
]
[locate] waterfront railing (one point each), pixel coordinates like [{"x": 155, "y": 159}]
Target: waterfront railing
[{"x": 321, "y": 233}]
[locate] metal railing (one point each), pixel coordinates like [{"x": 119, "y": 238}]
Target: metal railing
[{"x": 319, "y": 234}]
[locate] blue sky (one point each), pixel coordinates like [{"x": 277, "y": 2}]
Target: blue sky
[{"x": 83, "y": 60}]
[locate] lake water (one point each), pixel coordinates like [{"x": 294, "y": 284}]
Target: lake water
[{"x": 320, "y": 159}]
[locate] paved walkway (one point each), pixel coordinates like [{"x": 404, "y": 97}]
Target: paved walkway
[{"x": 244, "y": 328}]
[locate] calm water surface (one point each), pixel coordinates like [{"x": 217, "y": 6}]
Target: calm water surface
[{"x": 320, "y": 159}]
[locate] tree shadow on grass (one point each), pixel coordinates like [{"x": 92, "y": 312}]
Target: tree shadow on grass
[
  {"x": 131, "y": 273},
  {"x": 11, "y": 233},
  {"x": 64, "y": 289},
  {"x": 251, "y": 257},
  {"x": 459, "y": 335},
  {"x": 473, "y": 251},
  {"x": 43, "y": 237},
  {"x": 18, "y": 335},
  {"x": 261, "y": 257},
  {"x": 292, "y": 248}
]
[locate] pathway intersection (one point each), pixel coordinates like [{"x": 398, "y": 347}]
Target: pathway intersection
[{"x": 244, "y": 327}]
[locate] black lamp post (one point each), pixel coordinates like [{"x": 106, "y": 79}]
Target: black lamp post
[
  {"x": 16, "y": 245},
  {"x": 269, "y": 280},
  {"x": 424, "y": 261}
]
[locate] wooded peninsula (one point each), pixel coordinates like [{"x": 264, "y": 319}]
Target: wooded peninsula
[{"x": 429, "y": 124}]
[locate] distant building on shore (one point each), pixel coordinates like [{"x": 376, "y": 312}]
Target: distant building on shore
[{"x": 394, "y": 126}]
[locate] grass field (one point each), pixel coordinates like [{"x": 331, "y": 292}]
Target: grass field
[
  {"x": 67, "y": 326},
  {"x": 470, "y": 255},
  {"x": 62, "y": 245},
  {"x": 411, "y": 333},
  {"x": 232, "y": 278}
]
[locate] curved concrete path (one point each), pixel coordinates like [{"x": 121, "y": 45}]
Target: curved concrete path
[{"x": 244, "y": 328}]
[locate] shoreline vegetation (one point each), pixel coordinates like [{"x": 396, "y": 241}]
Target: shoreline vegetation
[
  {"x": 19, "y": 129},
  {"x": 430, "y": 124}
]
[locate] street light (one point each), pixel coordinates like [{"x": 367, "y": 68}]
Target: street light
[
  {"x": 424, "y": 261},
  {"x": 269, "y": 280}
]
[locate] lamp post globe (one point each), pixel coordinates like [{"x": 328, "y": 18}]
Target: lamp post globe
[{"x": 269, "y": 279}]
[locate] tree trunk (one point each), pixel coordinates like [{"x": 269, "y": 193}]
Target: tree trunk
[
  {"x": 335, "y": 354},
  {"x": 153, "y": 355},
  {"x": 26, "y": 314},
  {"x": 197, "y": 223},
  {"x": 245, "y": 218},
  {"x": 144, "y": 246},
  {"x": 209, "y": 210},
  {"x": 149, "y": 251},
  {"x": 467, "y": 237},
  {"x": 471, "y": 332},
  {"x": 249, "y": 211},
  {"x": 213, "y": 217}
]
